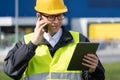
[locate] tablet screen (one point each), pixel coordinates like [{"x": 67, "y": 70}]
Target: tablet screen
[{"x": 82, "y": 49}]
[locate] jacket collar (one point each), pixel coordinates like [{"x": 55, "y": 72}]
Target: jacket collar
[{"x": 65, "y": 38}]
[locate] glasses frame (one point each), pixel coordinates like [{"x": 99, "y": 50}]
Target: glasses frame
[{"x": 53, "y": 17}]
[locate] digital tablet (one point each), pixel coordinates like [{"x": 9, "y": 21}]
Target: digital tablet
[{"x": 82, "y": 49}]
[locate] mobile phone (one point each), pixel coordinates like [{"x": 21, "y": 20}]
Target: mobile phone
[{"x": 46, "y": 26}]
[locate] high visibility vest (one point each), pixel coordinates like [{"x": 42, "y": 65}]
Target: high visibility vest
[{"x": 45, "y": 67}]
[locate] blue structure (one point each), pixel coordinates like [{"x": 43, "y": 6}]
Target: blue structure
[{"x": 77, "y": 8}]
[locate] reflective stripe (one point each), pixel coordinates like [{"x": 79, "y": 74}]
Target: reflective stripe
[
  {"x": 55, "y": 76},
  {"x": 69, "y": 76},
  {"x": 43, "y": 76}
]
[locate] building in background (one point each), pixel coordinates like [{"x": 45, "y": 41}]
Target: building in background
[{"x": 81, "y": 16}]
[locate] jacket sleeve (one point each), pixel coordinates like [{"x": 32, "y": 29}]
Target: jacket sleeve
[
  {"x": 99, "y": 73},
  {"x": 17, "y": 59}
]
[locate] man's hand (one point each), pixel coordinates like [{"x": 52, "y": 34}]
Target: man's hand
[
  {"x": 38, "y": 31},
  {"x": 91, "y": 61}
]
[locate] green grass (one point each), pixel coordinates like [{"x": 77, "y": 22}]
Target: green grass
[
  {"x": 3, "y": 76},
  {"x": 112, "y": 72}
]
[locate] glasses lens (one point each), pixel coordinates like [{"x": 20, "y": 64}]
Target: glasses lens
[
  {"x": 52, "y": 18},
  {"x": 60, "y": 17}
]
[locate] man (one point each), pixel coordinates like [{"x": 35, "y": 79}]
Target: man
[{"x": 45, "y": 55}]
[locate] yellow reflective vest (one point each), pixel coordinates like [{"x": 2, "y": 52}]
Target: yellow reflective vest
[{"x": 45, "y": 67}]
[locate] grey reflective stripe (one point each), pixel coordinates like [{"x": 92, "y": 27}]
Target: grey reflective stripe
[
  {"x": 55, "y": 76},
  {"x": 42, "y": 76},
  {"x": 67, "y": 76}
]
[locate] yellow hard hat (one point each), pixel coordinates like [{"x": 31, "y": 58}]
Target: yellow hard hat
[{"x": 50, "y": 6}]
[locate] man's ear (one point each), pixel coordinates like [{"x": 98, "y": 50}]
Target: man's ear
[{"x": 37, "y": 14}]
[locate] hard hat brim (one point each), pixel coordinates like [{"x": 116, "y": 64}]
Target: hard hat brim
[{"x": 58, "y": 11}]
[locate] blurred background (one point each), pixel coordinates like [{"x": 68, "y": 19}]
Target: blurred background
[{"x": 99, "y": 20}]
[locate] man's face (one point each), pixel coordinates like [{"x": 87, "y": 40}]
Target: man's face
[{"x": 55, "y": 22}]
